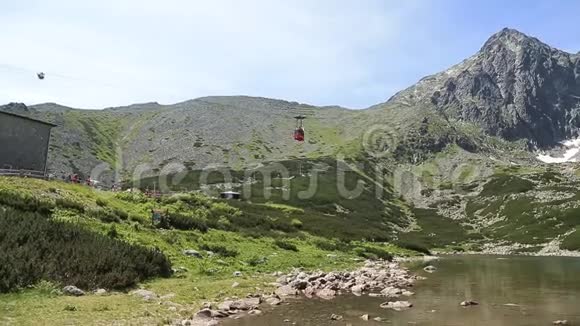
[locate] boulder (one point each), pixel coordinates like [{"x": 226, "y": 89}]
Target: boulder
[
  {"x": 396, "y": 305},
  {"x": 208, "y": 313},
  {"x": 335, "y": 317},
  {"x": 245, "y": 304},
  {"x": 72, "y": 290},
  {"x": 235, "y": 285},
  {"x": 255, "y": 312},
  {"x": 145, "y": 294},
  {"x": 430, "y": 269},
  {"x": 326, "y": 294},
  {"x": 468, "y": 303},
  {"x": 100, "y": 292},
  {"x": 285, "y": 291},
  {"x": 237, "y": 274},
  {"x": 192, "y": 253},
  {"x": 357, "y": 289},
  {"x": 273, "y": 301},
  {"x": 365, "y": 317},
  {"x": 391, "y": 291},
  {"x": 560, "y": 322}
]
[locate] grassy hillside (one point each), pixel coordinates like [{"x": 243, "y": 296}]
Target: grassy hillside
[{"x": 255, "y": 239}]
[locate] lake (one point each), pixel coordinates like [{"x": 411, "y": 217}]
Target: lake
[{"x": 514, "y": 290}]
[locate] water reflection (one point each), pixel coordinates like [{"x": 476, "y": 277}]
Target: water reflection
[{"x": 512, "y": 291}]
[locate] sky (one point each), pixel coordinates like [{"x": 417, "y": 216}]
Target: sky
[{"x": 355, "y": 54}]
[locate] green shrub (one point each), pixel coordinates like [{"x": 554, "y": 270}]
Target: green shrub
[
  {"x": 414, "y": 246},
  {"x": 101, "y": 202},
  {"x": 25, "y": 202},
  {"x": 184, "y": 222},
  {"x": 34, "y": 248},
  {"x": 296, "y": 223},
  {"x": 373, "y": 253},
  {"x": 330, "y": 245},
  {"x": 104, "y": 214},
  {"x": 133, "y": 197},
  {"x": 112, "y": 233},
  {"x": 255, "y": 261},
  {"x": 285, "y": 245},
  {"x": 219, "y": 250},
  {"x": 66, "y": 203}
]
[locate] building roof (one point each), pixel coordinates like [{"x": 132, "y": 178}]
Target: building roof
[{"x": 27, "y": 118}]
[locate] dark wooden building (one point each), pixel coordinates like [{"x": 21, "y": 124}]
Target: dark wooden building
[{"x": 23, "y": 142}]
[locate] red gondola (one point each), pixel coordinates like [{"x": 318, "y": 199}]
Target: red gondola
[{"x": 299, "y": 131}]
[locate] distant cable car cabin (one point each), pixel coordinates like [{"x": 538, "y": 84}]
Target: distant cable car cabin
[
  {"x": 230, "y": 195},
  {"x": 299, "y": 131}
]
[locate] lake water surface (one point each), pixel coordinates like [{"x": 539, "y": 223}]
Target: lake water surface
[{"x": 510, "y": 291}]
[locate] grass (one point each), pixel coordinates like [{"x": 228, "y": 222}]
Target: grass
[{"x": 259, "y": 250}]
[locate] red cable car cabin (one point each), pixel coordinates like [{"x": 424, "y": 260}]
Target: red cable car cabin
[
  {"x": 299, "y": 134},
  {"x": 299, "y": 131}
]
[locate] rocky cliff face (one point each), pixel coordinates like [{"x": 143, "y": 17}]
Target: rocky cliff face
[{"x": 515, "y": 87}]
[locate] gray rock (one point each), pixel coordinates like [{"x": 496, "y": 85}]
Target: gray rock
[
  {"x": 208, "y": 313},
  {"x": 145, "y": 294},
  {"x": 430, "y": 269},
  {"x": 468, "y": 303},
  {"x": 72, "y": 290},
  {"x": 326, "y": 294},
  {"x": 560, "y": 322},
  {"x": 273, "y": 301},
  {"x": 237, "y": 274},
  {"x": 396, "y": 305},
  {"x": 235, "y": 285},
  {"x": 335, "y": 317},
  {"x": 100, "y": 292},
  {"x": 286, "y": 290},
  {"x": 245, "y": 304},
  {"x": 365, "y": 317},
  {"x": 192, "y": 253}
]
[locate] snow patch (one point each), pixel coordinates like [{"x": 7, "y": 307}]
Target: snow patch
[{"x": 573, "y": 148}]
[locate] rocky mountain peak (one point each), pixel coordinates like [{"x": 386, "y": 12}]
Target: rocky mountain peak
[
  {"x": 16, "y": 108},
  {"x": 515, "y": 87}
]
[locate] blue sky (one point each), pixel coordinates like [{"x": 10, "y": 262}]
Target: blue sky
[{"x": 105, "y": 53}]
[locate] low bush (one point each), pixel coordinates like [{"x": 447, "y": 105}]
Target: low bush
[
  {"x": 183, "y": 222},
  {"x": 67, "y": 203},
  {"x": 330, "y": 245},
  {"x": 219, "y": 250},
  {"x": 414, "y": 246},
  {"x": 296, "y": 223},
  {"x": 25, "y": 202},
  {"x": 35, "y": 248},
  {"x": 373, "y": 253},
  {"x": 285, "y": 245}
]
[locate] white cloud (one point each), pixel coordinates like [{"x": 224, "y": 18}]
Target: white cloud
[{"x": 115, "y": 52}]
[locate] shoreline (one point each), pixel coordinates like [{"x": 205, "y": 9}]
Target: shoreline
[{"x": 376, "y": 278}]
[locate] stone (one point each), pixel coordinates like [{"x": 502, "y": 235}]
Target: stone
[
  {"x": 326, "y": 294},
  {"x": 145, "y": 294},
  {"x": 255, "y": 312},
  {"x": 235, "y": 285},
  {"x": 172, "y": 309},
  {"x": 430, "y": 269},
  {"x": 379, "y": 319},
  {"x": 237, "y": 274},
  {"x": 245, "y": 304},
  {"x": 396, "y": 305},
  {"x": 365, "y": 317},
  {"x": 391, "y": 292},
  {"x": 300, "y": 284},
  {"x": 72, "y": 290},
  {"x": 560, "y": 322},
  {"x": 226, "y": 305},
  {"x": 407, "y": 293},
  {"x": 100, "y": 292},
  {"x": 335, "y": 317},
  {"x": 192, "y": 253},
  {"x": 273, "y": 301},
  {"x": 208, "y": 313},
  {"x": 468, "y": 303},
  {"x": 285, "y": 291},
  {"x": 357, "y": 289}
]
